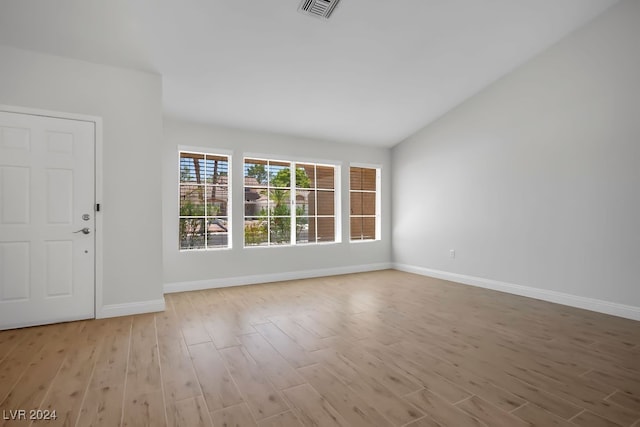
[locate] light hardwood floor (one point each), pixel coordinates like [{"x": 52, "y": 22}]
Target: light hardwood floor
[{"x": 374, "y": 349}]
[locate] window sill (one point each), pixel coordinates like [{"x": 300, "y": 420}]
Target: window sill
[
  {"x": 291, "y": 246},
  {"x": 182, "y": 251}
]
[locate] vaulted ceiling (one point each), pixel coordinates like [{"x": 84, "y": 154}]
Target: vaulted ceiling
[{"x": 374, "y": 73}]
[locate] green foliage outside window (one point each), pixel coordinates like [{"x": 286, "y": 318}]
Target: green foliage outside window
[
  {"x": 259, "y": 172},
  {"x": 283, "y": 179}
]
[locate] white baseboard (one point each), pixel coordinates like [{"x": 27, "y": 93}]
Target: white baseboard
[
  {"x": 600, "y": 306},
  {"x": 267, "y": 278},
  {"x": 126, "y": 309}
]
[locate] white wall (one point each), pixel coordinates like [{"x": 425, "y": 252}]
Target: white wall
[
  {"x": 130, "y": 104},
  {"x": 536, "y": 180},
  {"x": 198, "y": 269}
]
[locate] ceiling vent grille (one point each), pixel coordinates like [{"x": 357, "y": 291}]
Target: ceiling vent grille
[{"x": 318, "y": 8}]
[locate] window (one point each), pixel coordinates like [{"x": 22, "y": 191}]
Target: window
[
  {"x": 315, "y": 203},
  {"x": 364, "y": 203},
  {"x": 204, "y": 201},
  {"x": 273, "y": 187}
]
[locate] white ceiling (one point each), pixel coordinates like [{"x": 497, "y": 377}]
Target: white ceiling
[{"x": 373, "y": 74}]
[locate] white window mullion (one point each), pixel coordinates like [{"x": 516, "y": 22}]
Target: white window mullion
[
  {"x": 315, "y": 201},
  {"x": 206, "y": 205},
  {"x": 292, "y": 203},
  {"x": 337, "y": 207},
  {"x": 268, "y": 203},
  {"x": 378, "y": 203}
]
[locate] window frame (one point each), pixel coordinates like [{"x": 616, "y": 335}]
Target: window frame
[
  {"x": 378, "y": 204},
  {"x": 293, "y": 166},
  {"x": 229, "y": 217}
]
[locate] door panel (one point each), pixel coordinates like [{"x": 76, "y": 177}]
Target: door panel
[
  {"x": 59, "y": 274},
  {"x": 14, "y": 264},
  {"x": 59, "y": 196},
  {"x": 47, "y": 176},
  {"x": 14, "y": 194}
]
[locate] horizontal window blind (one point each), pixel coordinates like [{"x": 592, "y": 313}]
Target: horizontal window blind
[{"x": 363, "y": 203}]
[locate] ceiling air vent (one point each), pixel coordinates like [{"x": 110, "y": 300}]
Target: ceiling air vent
[{"x": 318, "y": 8}]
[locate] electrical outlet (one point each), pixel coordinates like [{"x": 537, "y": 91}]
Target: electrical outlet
[{"x": 452, "y": 253}]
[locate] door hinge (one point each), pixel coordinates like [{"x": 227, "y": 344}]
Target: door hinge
[{"x": 97, "y": 207}]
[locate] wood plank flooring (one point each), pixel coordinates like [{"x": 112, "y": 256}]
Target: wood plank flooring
[{"x": 373, "y": 349}]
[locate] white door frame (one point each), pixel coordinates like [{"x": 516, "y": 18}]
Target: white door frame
[{"x": 97, "y": 121}]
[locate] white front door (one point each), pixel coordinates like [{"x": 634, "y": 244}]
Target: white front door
[{"x": 47, "y": 220}]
